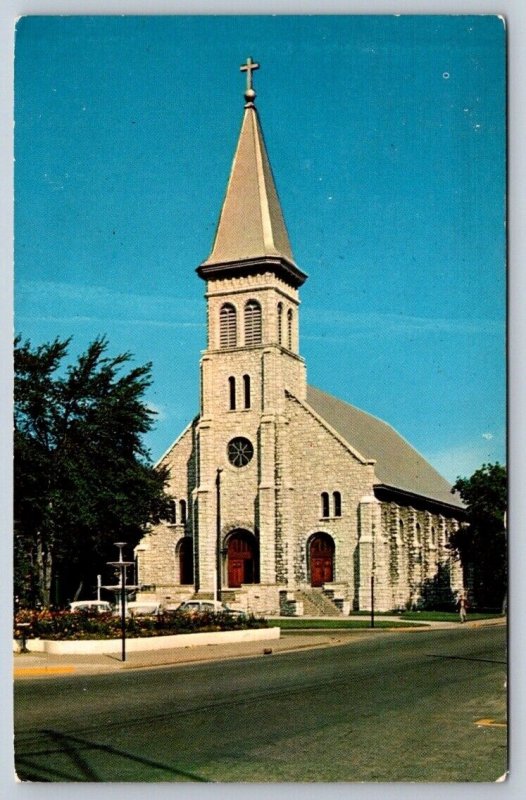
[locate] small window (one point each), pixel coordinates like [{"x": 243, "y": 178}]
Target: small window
[
  {"x": 182, "y": 511},
  {"x": 172, "y": 512},
  {"x": 418, "y": 533},
  {"x": 325, "y": 512},
  {"x": 433, "y": 536},
  {"x": 280, "y": 323},
  {"x": 232, "y": 393},
  {"x": 252, "y": 323},
  {"x": 289, "y": 327},
  {"x": 227, "y": 326},
  {"x": 246, "y": 389},
  {"x": 337, "y": 504}
]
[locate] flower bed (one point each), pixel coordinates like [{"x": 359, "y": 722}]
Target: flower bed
[{"x": 66, "y": 625}]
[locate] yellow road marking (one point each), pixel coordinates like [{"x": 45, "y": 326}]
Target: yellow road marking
[
  {"x": 490, "y": 723},
  {"x": 21, "y": 672}
]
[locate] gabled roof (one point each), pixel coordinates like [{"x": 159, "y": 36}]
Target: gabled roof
[{"x": 398, "y": 465}]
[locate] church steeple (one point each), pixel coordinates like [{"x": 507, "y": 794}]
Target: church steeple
[{"x": 251, "y": 232}]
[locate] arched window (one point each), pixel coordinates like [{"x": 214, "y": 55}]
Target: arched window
[
  {"x": 246, "y": 389},
  {"x": 252, "y": 323},
  {"x": 337, "y": 504},
  {"x": 232, "y": 393},
  {"x": 227, "y": 326},
  {"x": 184, "y": 554},
  {"x": 325, "y": 511},
  {"x": 418, "y": 533},
  {"x": 280, "y": 323},
  {"x": 400, "y": 531},
  {"x": 289, "y": 328},
  {"x": 433, "y": 535},
  {"x": 182, "y": 511},
  {"x": 172, "y": 512}
]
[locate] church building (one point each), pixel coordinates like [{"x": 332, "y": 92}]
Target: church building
[{"x": 286, "y": 499}]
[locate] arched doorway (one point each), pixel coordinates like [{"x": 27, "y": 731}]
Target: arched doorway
[
  {"x": 321, "y": 556},
  {"x": 242, "y": 559},
  {"x": 186, "y": 561}
]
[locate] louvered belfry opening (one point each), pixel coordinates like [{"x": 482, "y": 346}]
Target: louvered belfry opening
[
  {"x": 252, "y": 323},
  {"x": 227, "y": 326}
]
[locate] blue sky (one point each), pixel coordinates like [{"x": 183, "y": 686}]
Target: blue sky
[{"x": 387, "y": 140}]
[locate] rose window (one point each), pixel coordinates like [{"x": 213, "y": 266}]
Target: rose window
[{"x": 240, "y": 451}]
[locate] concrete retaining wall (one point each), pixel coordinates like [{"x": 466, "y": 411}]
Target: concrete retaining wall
[{"x": 103, "y": 646}]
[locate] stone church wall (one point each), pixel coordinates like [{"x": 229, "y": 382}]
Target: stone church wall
[
  {"x": 267, "y": 289},
  {"x": 157, "y": 561},
  {"x": 320, "y": 462},
  {"x": 422, "y": 571}
]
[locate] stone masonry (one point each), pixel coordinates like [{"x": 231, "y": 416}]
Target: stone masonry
[{"x": 277, "y": 496}]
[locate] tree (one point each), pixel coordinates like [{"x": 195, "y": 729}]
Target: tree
[
  {"x": 83, "y": 478},
  {"x": 481, "y": 541}
]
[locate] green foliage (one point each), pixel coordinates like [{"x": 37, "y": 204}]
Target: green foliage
[
  {"x": 78, "y": 625},
  {"x": 83, "y": 478},
  {"x": 481, "y": 543}
]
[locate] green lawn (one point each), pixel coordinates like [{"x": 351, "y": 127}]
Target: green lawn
[
  {"x": 444, "y": 616},
  {"x": 298, "y": 623},
  {"x": 414, "y": 617}
]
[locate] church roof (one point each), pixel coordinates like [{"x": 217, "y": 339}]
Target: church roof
[
  {"x": 251, "y": 228},
  {"x": 398, "y": 465}
]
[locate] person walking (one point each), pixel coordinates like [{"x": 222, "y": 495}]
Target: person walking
[{"x": 462, "y": 608}]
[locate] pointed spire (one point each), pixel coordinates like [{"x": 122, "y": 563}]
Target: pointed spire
[{"x": 251, "y": 227}]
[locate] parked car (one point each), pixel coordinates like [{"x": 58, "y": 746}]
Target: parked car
[
  {"x": 136, "y": 608},
  {"x": 91, "y": 606},
  {"x": 140, "y": 608},
  {"x": 214, "y": 606}
]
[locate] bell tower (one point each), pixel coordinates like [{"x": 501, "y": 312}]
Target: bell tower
[
  {"x": 251, "y": 360},
  {"x": 252, "y": 281}
]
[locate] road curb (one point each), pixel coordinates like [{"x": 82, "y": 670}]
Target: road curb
[{"x": 34, "y": 672}]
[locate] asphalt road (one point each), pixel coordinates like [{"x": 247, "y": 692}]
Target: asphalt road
[{"x": 394, "y": 707}]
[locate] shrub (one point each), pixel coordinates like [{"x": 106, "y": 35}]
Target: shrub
[{"x": 88, "y": 625}]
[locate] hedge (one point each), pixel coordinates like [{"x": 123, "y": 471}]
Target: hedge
[{"x": 89, "y": 625}]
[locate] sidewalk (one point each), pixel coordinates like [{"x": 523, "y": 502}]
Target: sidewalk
[
  {"x": 42, "y": 665},
  {"x": 32, "y": 665}
]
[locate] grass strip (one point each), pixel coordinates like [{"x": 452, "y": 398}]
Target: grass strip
[
  {"x": 444, "y": 616},
  {"x": 297, "y": 623}
]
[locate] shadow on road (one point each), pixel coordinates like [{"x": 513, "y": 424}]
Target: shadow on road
[
  {"x": 466, "y": 658},
  {"x": 68, "y": 760}
]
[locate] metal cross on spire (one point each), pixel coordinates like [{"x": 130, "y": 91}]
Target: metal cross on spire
[{"x": 249, "y": 67}]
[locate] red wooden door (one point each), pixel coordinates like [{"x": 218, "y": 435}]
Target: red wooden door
[
  {"x": 321, "y": 559},
  {"x": 236, "y": 572},
  {"x": 241, "y": 560}
]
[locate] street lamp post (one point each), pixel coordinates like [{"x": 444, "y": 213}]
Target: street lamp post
[
  {"x": 121, "y": 566},
  {"x": 217, "y": 581},
  {"x": 373, "y": 568}
]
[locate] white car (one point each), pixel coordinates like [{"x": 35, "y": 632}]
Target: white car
[
  {"x": 91, "y": 606},
  {"x": 214, "y": 606},
  {"x": 136, "y": 608}
]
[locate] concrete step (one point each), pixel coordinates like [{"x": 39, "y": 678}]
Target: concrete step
[{"x": 316, "y": 603}]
